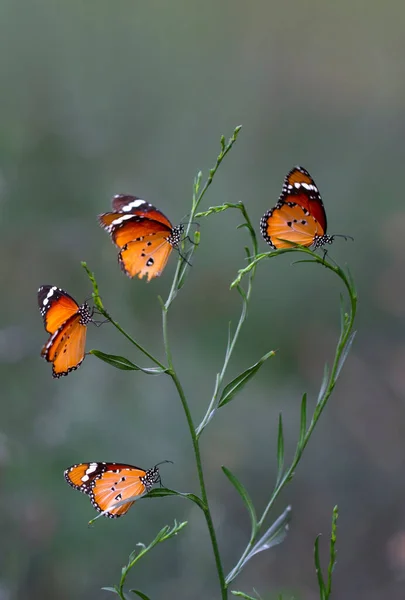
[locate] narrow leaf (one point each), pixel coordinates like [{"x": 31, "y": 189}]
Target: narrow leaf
[
  {"x": 240, "y": 488},
  {"x": 140, "y": 594},
  {"x": 280, "y": 448},
  {"x": 275, "y": 534},
  {"x": 242, "y": 595},
  {"x": 324, "y": 384},
  {"x": 241, "y": 380},
  {"x": 332, "y": 553},
  {"x": 119, "y": 362},
  {"x": 345, "y": 353},
  {"x": 161, "y": 492},
  {"x": 303, "y": 422},
  {"x": 111, "y": 589},
  {"x": 318, "y": 569},
  {"x": 342, "y": 315}
]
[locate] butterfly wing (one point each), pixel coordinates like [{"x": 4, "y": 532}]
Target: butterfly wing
[
  {"x": 56, "y": 306},
  {"x": 136, "y": 206},
  {"x": 300, "y": 188},
  {"x": 125, "y": 228},
  {"x": 65, "y": 349},
  {"x": 289, "y": 224},
  {"x": 109, "y": 483},
  {"x": 146, "y": 256}
]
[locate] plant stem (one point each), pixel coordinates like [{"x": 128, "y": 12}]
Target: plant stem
[
  {"x": 197, "y": 455},
  {"x": 131, "y": 339},
  {"x": 245, "y": 303},
  {"x": 347, "y": 328}
]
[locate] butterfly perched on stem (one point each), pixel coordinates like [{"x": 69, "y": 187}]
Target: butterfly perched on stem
[
  {"x": 107, "y": 483},
  {"x": 67, "y": 322},
  {"x": 144, "y": 235},
  {"x": 299, "y": 216}
]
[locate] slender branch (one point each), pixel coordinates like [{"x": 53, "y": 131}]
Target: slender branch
[
  {"x": 245, "y": 302},
  {"x": 197, "y": 456},
  {"x": 347, "y": 329}
]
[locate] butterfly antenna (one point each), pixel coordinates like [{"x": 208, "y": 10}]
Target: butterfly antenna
[
  {"x": 345, "y": 237},
  {"x": 161, "y": 463}
]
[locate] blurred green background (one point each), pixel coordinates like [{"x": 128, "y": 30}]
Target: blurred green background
[{"x": 99, "y": 98}]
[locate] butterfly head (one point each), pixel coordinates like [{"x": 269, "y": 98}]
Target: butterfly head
[
  {"x": 174, "y": 238},
  {"x": 86, "y": 313}
]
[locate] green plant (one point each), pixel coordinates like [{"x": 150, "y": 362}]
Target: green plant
[{"x": 262, "y": 536}]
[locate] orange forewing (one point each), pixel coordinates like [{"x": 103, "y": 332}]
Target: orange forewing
[
  {"x": 56, "y": 306},
  {"x": 125, "y": 228},
  {"x": 124, "y": 203},
  {"x": 300, "y": 188}
]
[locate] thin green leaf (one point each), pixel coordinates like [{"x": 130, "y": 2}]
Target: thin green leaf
[
  {"x": 280, "y": 448},
  {"x": 342, "y": 314},
  {"x": 161, "y": 492},
  {"x": 122, "y": 363},
  {"x": 114, "y": 590},
  {"x": 140, "y": 594},
  {"x": 332, "y": 553},
  {"x": 324, "y": 384},
  {"x": 303, "y": 422},
  {"x": 318, "y": 570},
  {"x": 275, "y": 534},
  {"x": 242, "y": 595},
  {"x": 345, "y": 353},
  {"x": 240, "y": 381},
  {"x": 240, "y": 488}
]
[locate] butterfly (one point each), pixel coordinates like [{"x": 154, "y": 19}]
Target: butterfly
[
  {"x": 299, "y": 216},
  {"x": 144, "y": 235},
  {"x": 107, "y": 483},
  {"x": 66, "y": 321}
]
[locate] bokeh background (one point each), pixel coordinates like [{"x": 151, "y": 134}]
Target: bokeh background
[{"x": 99, "y": 98}]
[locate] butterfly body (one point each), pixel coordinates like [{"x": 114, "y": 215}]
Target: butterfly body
[
  {"x": 143, "y": 233},
  {"x": 67, "y": 322},
  {"x": 107, "y": 483},
  {"x": 299, "y": 216}
]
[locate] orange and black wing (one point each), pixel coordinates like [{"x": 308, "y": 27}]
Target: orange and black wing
[
  {"x": 65, "y": 349},
  {"x": 56, "y": 306},
  {"x": 289, "y": 224},
  {"x": 110, "y": 483},
  {"x": 300, "y": 188},
  {"x": 148, "y": 254},
  {"x": 136, "y": 206},
  {"x": 124, "y": 228},
  {"x": 130, "y": 217}
]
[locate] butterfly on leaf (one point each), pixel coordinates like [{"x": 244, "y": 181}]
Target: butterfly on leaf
[
  {"x": 109, "y": 483},
  {"x": 299, "y": 216},
  {"x": 143, "y": 234},
  {"x": 67, "y": 322}
]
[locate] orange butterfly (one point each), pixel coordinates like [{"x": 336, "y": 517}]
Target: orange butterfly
[
  {"x": 299, "y": 216},
  {"x": 66, "y": 321},
  {"x": 144, "y": 235},
  {"x": 107, "y": 483}
]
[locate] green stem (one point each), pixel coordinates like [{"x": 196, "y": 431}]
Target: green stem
[
  {"x": 197, "y": 455},
  {"x": 245, "y": 303},
  {"x": 131, "y": 339},
  {"x": 344, "y": 337}
]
